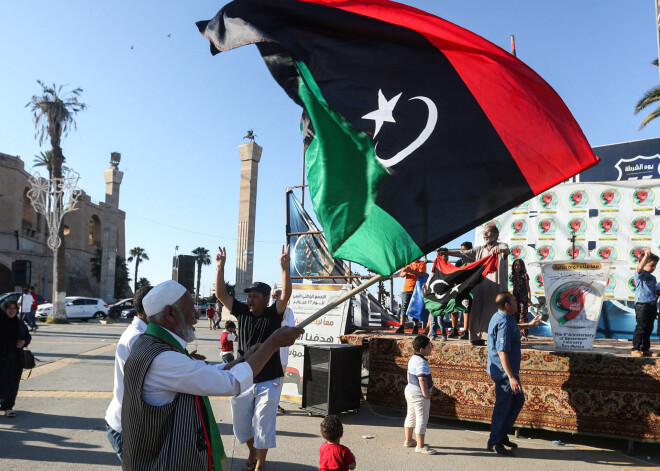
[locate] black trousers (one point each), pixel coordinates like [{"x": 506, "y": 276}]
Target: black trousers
[
  {"x": 645, "y": 314},
  {"x": 10, "y": 377}
]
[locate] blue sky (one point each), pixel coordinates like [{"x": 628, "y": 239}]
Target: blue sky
[{"x": 177, "y": 114}]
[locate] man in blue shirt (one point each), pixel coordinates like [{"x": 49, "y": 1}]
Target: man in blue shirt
[
  {"x": 503, "y": 367},
  {"x": 646, "y": 305}
]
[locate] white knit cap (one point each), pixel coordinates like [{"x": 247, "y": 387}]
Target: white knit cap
[{"x": 164, "y": 294}]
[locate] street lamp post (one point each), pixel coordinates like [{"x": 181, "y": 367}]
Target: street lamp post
[{"x": 53, "y": 198}]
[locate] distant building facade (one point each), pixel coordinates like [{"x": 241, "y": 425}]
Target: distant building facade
[{"x": 23, "y": 234}]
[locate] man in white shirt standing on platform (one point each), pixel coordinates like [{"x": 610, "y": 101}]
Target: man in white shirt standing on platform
[
  {"x": 130, "y": 335},
  {"x": 288, "y": 320},
  {"x": 167, "y": 420}
]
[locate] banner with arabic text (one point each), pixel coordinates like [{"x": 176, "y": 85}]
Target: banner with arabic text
[
  {"x": 305, "y": 301},
  {"x": 574, "y": 292}
]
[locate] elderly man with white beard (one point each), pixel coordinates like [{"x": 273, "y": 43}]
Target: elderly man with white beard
[{"x": 167, "y": 419}]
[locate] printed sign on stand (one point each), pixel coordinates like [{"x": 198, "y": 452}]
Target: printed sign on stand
[
  {"x": 305, "y": 301},
  {"x": 574, "y": 292}
]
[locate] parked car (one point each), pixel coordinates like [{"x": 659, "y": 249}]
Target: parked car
[
  {"x": 128, "y": 313},
  {"x": 114, "y": 311},
  {"x": 14, "y": 295},
  {"x": 77, "y": 307}
]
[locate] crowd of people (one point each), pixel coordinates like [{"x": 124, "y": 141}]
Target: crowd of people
[
  {"x": 479, "y": 306},
  {"x": 160, "y": 416}
]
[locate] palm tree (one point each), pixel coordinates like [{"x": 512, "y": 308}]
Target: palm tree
[
  {"x": 122, "y": 278},
  {"x": 45, "y": 159},
  {"x": 54, "y": 113},
  {"x": 652, "y": 97},
  {"x": 142, "y": 282},
  {"x": 139, "y": 254},
  {"x": 203, "y": 258}
]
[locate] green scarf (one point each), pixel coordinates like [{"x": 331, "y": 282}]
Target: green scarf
[{"x": 217, "y": 450}]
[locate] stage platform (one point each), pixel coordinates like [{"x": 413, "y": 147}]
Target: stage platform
[{"x": 600, "y": 392}]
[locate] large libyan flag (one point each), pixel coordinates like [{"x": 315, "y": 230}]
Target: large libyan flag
[{"x": 416, "y": 130}]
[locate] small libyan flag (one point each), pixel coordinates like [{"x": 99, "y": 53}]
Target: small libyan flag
[{"x": 449, "y": 283}]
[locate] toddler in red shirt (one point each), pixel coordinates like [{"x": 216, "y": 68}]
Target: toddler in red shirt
[{"x": 334, "y": 457}]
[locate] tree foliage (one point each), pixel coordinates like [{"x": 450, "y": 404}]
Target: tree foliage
[
  {"x": 202, "y": 257},
  {"x": 138, "y": 254},
  {"x": 231, "y": 289},
  {"x": 45, "y": 159},
  {"x": 54, "y": 114},
  {"x": 651, "y": 97},
  {"x": 122, "y": 278},
  {"x": 95, "y": 267},
  {"x": 142, "y": 282}
]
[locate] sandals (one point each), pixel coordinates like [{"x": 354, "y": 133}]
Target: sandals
[{"x": 249, "y": 466}]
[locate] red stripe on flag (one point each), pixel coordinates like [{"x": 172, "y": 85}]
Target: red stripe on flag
[
  {"x": 489, "y": 263},
  {"x": 535, "y": 125}
]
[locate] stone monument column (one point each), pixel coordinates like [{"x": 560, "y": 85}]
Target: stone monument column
[
  {"x": 250, "y": 154},
  {"x": 109, "y": 243}
]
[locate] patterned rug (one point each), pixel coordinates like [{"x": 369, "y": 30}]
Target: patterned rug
[{"x": 605, "y": 392}]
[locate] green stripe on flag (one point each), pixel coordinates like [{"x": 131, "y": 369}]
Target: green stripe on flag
[
  {"x": 365, "y": 245},
  {"x": 343, "y": 175},
  {"x": 438, "y": 309}
]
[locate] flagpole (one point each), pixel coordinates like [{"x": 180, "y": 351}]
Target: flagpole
[
  {"x": 340, "y": 300},
  {"x": 657, "y": 26}
]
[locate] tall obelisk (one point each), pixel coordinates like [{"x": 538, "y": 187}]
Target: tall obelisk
[
  {"x": 109, "y": 243},
  {"x": 250, "y": 154}
]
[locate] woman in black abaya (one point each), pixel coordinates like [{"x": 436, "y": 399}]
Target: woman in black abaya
[{"x": 14, "y": 336}]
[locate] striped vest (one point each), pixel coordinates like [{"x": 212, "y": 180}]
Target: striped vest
[{"x": 169, "y": 437}]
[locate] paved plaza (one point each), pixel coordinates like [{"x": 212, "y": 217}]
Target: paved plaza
[{"x": 60, "y": 425}]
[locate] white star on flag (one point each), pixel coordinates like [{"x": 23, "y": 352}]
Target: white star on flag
[{"x": 384, "y": 111}]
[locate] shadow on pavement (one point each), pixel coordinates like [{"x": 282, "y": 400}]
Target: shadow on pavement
[
  {"x": 80, "y": 356},
  {"x": 60, "y": 333},
  {"x": 274, "y": 465},
  {"x": 284, "y": 433},
  {"x": 22, "y": 437}
]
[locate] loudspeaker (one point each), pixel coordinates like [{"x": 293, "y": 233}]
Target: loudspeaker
[
  {"x": 183, "y": 271},
  {"x": 21, "y": 273},
  {"x": 331, "y": 378}
]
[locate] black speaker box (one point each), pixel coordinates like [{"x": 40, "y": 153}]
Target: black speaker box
[
  {"x": 21, "y": 273},
  {"x": 331, "y": 378},
  {"x": 183, "y": 271}
]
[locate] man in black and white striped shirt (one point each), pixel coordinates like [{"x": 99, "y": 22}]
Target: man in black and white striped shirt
[{"x": 254, "y": 412}]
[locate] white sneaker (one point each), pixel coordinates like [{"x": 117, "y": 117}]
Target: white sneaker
[
  {"x": 426, "y": 450},
  {"x": 410, "y": 443}
]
